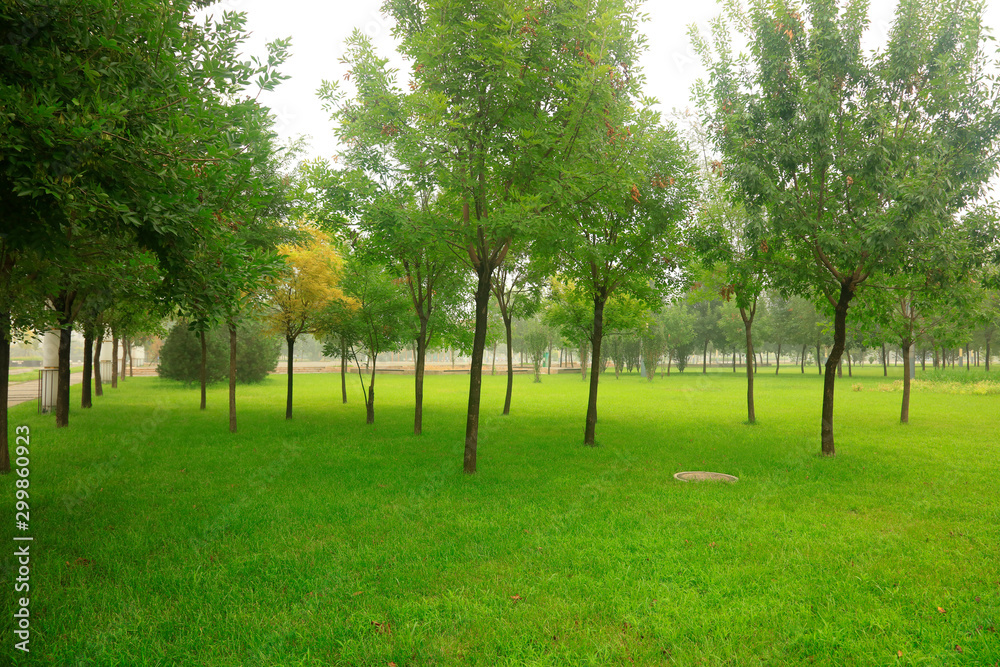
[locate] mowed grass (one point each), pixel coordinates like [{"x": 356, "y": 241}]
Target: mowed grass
[{"x": 161, "y": 539}]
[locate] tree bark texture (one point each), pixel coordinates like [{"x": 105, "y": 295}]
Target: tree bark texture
[
  {"x": 114, "y": 361},
  {"x": 5, "y": 369},
  {"x": 232, "y": 378},
  {"x": 747, "y": 325},
  {"x": 88, "y": 367},
  {"x": 904, "y": 413},
  {"x": 476, "y": 371},
  {"x": 418, "y": 379},
  {"x": 343, "y": 368},
  {"x": 510, "y": 365},
  {"x": 203, "y": 379},
  {"x": 830, "y": 376},
  {"x": 62, "y": 387},
  {"x": 598, "y": 335},
  {"x": 98, "y": 344}
]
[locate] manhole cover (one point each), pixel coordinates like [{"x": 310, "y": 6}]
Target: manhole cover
[{"x": 701, "y": 476}]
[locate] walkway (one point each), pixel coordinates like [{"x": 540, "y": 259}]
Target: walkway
[{"x": 22, "y": 392}]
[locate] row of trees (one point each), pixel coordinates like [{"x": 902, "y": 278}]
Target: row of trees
[{"x": 521, "y": 157}]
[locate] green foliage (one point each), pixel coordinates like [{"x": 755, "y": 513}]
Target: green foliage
[{"x": 256, "y": 354}]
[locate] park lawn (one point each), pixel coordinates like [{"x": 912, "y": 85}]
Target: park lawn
[{"x": 161, "y": 539}]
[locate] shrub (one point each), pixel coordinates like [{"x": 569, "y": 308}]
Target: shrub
[{"x": 180, "y": 357}]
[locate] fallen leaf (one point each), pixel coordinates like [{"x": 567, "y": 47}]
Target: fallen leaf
[
  {"x": 392, "y": 664},
  {"x": 712, "y": 545},
  {"x": 958, "y": 648},
  {"x": 357, "y": 593},
  {"x": 515, "y": 598},
  {"x": 899, "y": 653},
  {"x": 383, "y": 627},
  {"x": 940, "y": 610}
]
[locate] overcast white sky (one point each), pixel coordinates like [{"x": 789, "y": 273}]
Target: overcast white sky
[{"x": 318, "y": 30}]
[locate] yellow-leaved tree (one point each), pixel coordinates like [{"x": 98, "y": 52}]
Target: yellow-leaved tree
[{"x": 302, "y": 291}]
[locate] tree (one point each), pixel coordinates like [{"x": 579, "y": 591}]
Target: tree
[
  {"x": 382, "y": 319},
  {"x": 517, "y": 288},
  {"x": 506, "y": 105},
  {"x": 301, "y": 292},
  {"x": 849, "y": 158},
  {"x": 623, "y": 240}
]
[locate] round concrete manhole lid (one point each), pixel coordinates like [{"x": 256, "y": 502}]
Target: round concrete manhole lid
[{"x": 701, "y": 476}]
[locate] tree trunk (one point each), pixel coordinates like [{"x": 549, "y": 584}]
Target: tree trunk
[
  {"x": 418, "y": 379},
  {"x": 904, "y": 413},
  {"x": 126, "y": 350},
  {"x": 5, "y": 369},
  {"x": 968, "y": 358},
  {"x": 493, "y": 371},
  {"x": 923, "y": 359},
  {"x": 885, "y": 362},
  {"x": 839, "y": 338},
  {"x": 777, "y": 360},
  {"x": 734, "y": 360},
  {"x": 288, "y": 396},
  {"x": 203, "y": 372},
  {"x": 704, "y": 359},
  {"x": 670, "y": 358},
  {"x": 62, "y": 387},
  {"x": 549, "y": 360},
  {"x": 747, "y": 324},
  {"x": 98, "y": 344},
  {"x": 987, "y": 355},
  {"x": 370, "y": 401},
  {"x": 88, "y": 367},
  {"x": 803, "y": 359},
  {"x": 114, "y": 360},
  {"x": 819, "y": 359},
  {"x": 840, "y": 367},
  {"x": 598, "y": 336},
  {"x": 476, "y": 371},
  {"x": 131, "y": 368},
  {"x": 849, "y": 373},
  {"x": 343, "y": 367},
  {"x": 583, "y": 361},
  {"x": 232, "y": 377},
  {"x": 510, "y": 365}
]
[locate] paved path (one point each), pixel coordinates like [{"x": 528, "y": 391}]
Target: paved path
[{"x": 22, "y": 392}]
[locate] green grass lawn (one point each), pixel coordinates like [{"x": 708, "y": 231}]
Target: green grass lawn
[{"x": 161, "y": 539}]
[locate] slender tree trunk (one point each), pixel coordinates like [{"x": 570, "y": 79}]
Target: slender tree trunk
[
  {"x": 923, "y": 359},
  {"x": 343, "y": 367},
  {"x": 131, "y": 367},
  {"x": 88, "y": 367},
  {"x": 232, "y": 377},
  {"x": 968, "y": 358},
  {"x": 669, "y": 359},
  {"x": 777, "y": 360},
  {"x": 987, "y": 355},
  {"x": 418, "y": 379},
  {"x": 840, "y": 367},
  {"x": 583, "y": 361},
  {"x": 98, "y": 344},
  {"x": 849, "y": 373},
  {"x": 203, "y": 371},
  {"x": 288, "y": 400},
  {"x": 493, "y": 371},
  {"x": 510, "y": 365},
  {"x": 830, "y": 377},
  {"x": 62, "y": 387},
  {"x": 5, "y": 369},
  {"x": 885, "y": 362},
  {"x": 802, "y": 359},
  {"x": 935, "y": 357},
  {"x": 747, "y": 324},
  {"x": 114, "y": 360},
  {"x": 126, "y": 350},
  {"x": 904, "y": 413},
  {"x": 704, "y": 359},
  {"x": 819, "y": 359},
  {"x": 734, "y": 360},
  {"x": 598, "y": 336},
  {"x": 370, "y": 398},
  {"x": 476, "y": 371},
  {"x": 549, "y": 360}
]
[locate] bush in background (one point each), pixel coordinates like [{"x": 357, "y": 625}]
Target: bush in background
[{"x": 180, "y": 356}]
